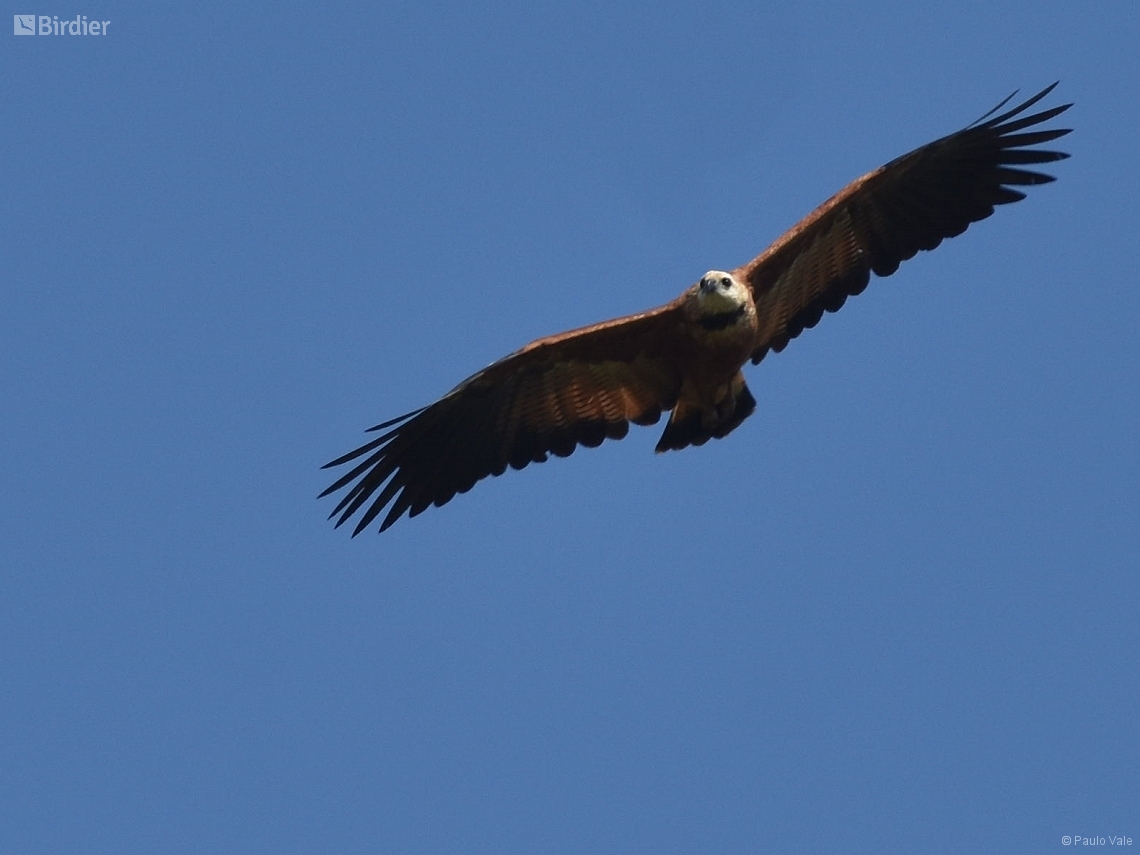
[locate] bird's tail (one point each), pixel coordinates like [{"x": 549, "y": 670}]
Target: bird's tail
[{"x": 692, "y": 425}]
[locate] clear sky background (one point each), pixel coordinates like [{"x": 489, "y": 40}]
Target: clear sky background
[{"x": 897, "y": 610}]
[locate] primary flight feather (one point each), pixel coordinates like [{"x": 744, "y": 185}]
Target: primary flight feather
[{"x": 584, "y": 386}]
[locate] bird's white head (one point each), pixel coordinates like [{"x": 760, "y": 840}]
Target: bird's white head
[{"x": 720, "y": 293}]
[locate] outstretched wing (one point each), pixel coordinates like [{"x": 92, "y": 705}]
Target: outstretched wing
[
  {"x": 888, "y": 215},
  {"x": 577, "y": 388}
]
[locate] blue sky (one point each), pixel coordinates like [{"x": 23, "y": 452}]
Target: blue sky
[{"x": 895, "y": 611}]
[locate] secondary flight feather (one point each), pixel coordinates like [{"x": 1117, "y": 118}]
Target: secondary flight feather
[{"x": 685, "y": 358}]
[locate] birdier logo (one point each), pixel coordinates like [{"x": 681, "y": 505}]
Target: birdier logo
[{"x": 51, "y": 25}]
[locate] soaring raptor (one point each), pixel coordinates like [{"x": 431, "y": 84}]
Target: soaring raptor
[{"x": 585, "y": 386}]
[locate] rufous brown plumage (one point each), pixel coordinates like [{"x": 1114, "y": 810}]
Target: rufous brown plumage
[{"x": 585, "y": 386}]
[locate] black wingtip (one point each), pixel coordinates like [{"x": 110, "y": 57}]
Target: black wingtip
[
  {"x": 395, "y": 421},
  {"x": 990, "y": 119}
]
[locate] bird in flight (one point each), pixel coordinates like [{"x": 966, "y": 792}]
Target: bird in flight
[{"x": 585, "y": 386}]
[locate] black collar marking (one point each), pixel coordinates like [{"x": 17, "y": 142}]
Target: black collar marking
[{"x": 721, "y": 320}]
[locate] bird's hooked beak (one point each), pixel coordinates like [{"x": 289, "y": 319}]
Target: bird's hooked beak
[{"x": 714, "y": 281}]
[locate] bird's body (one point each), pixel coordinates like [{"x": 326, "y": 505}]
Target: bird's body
[
  {"x": 584, "y": 386},
  {"x": 716, "y": 333}
]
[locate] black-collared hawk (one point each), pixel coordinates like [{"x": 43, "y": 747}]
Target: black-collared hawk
[{"x": 585, "y": 386}]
